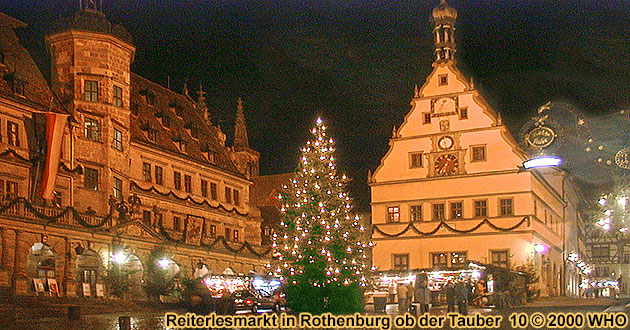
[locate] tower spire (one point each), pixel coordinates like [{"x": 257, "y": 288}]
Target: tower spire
[
  {"x": 443, "y": 19},
  {"x": 240, "y": 129}
]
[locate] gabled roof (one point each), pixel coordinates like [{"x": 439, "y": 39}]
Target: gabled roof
[
  {"x": 16, "y": 64},
  {"x": 265, "y": 190},
  {"x": 174, "y": 116}
]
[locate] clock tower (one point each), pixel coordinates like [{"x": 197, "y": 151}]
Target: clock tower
[{"x": 452, "y": 173}]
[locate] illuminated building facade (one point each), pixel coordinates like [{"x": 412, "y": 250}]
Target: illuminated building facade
[
  {"x": 101, "y": 161},
  {"x": 449, "y": 190}
]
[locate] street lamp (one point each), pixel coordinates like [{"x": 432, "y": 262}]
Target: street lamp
[
  {"x": 119, "y": 257},
  {"x": 541, "y": 248},
  {"x": 164, "y": 263}
]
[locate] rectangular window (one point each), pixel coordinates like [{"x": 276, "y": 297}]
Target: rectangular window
[
  {"x": 478, "y": 154},
  {"x": 158, "y": 174},
  {"x": 188, "y": 183},
  {"x": 237, "y": 197},
  {"x": 235, "y": 236},
  {"x": 426, "y": 118},
  {"x": 213, "y": 231},
  {"x": 158, "y": 219},
  {"x": 481, "y": 208},
  {"x": 228, "y": 233},
  {"x": 118, "y": 140},
  {"x": 393, "y": 214},
  {"x": 91, "y": 90},
  {"x": 12, "y": 133},
  {"x": 92, "y": 129},
  {"x": 438, "y": 211},
  {"x": 456, "y": 210},
  {"x": 90, "y": 179},
  {"x": 506, "y": 206},
  {"x": 177, "y": 180},
  {"x": 415, "y": 160},
  {"x": 400, "y": 261},
  {"x": 146, "y": 216},
  {"x": 118, "y": 97},
  {"x": 443, "y": 80},
  {"x": 439, "y": 259},
  {"x": 177, "y": 224},
  {"x": 415, "y": 212},
  {"x": 204, "y": 188},
  {"x": 12, "y": 189},
  {"x": 459, "y": 258},
  {"x": 228, "y": 195},
  {"x": 500, "y": 258},
  {"x": 117, "y": 188},
  {"x": 213, "y": 191},
  {"x": 146, "y": 171},
  {"x": 463, "y": 113}
]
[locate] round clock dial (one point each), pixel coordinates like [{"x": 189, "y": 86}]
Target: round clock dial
[
  {"x": 446, "y": 164},
  {"x": 445, "y": 142}
]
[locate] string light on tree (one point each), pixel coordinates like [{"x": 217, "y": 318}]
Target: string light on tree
[{"x": 321, "y": 246}]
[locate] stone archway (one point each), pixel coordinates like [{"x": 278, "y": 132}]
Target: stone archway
[
  {"x": 134, "y": 266},
  {"x": 42, "y": 268},
  {"x": 90, "y": 271}
]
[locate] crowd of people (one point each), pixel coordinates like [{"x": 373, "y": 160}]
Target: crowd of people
[{"x": 457, "y": 293}]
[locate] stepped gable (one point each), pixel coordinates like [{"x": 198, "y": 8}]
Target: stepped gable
[
  {"x": 18, "y": 67},
  {"x": 174, "y": 116}
]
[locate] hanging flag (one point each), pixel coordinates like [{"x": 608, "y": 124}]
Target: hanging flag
[{"x": 55, "y": 124}]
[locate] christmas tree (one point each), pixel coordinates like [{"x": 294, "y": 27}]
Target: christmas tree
[{"x": 320, "y": 249}]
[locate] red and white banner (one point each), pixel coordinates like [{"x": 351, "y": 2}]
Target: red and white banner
[{"x": 55, "y": 124}]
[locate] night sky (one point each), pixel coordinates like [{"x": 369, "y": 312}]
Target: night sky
[{"x": 355, "y": 63}]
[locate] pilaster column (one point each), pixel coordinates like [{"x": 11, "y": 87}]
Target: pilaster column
[
  {"x": 4, "y": 261},
  {"x": 5, "y": 269},
  {"x": 20, "y": 281},
  {"x": 69, "y": 270}
]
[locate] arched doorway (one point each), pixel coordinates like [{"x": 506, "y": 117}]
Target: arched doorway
[
  {"x": 41, "y": 269},
  {"x": 133, "y": 266},
  {"x": 89, "y": 273}
]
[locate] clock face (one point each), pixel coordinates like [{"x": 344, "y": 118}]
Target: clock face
[
  {"x": 446, "y": 164},
  {"x": 445, "y": 142}
]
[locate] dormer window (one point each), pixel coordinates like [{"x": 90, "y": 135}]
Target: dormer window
[
  {"x": 182, "y": 145},
  {"x": 151, "y": 135},
  {"x": 150, "y": 99},
  {"x": 17, "y": 83}
]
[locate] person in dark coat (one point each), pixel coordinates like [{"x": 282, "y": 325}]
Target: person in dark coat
[
  {"x": 423, "y": 296},
  {"x": 462, "y": 291},
  {"x": 451, "y": 295}
]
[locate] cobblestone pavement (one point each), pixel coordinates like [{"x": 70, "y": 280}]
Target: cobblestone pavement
[{"x": 139, "y": 321}]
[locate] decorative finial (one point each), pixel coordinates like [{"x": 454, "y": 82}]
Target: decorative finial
[
  {"x": 394, "y": 133},
  {"x": 241, "y": 139},
  {"x": 185, "y": 90}
]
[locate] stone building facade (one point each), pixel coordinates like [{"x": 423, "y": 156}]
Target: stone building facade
[
  {"x": 450, "y": 190},
  {"x": 141, "y": 168}
]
